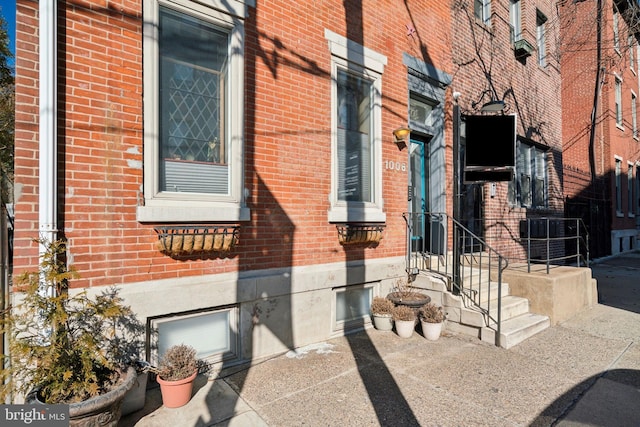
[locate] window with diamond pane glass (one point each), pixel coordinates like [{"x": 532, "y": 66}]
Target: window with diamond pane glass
[{"x": 193, "y": 61}]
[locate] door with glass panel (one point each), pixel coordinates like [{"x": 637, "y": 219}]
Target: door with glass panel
[{"x": 418, "y": 193}]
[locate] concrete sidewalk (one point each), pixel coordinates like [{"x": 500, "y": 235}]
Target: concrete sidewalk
[{"x": 585, "y": 371}]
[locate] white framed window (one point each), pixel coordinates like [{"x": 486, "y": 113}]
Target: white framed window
[
  {"x": 515, "y": 20},
  {"x": 541, "y": 38},
  {"x": 482, "y": 11},
  {"x": 212, "y": 333},
  {"x": 634, "y": 115},
  {"x": 529, "y": 185},
  {"x": 618, "y": 100},
  {"x": 356, "y": 189},
  {"x": 352, "y": 306},
  {"x": 630, "y": 189},
  {"x": 618, "y": 177},
  {"x": 616, "y": 31},
  {"x": 632, "y": 53},
  {"x": 194, "y": 111},
  {"x": 637, "y": 187}
]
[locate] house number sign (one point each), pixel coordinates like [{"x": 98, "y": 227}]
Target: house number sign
[{"x": 395, "y": 166}]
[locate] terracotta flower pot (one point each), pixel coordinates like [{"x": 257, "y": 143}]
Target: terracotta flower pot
[{"x": 176, "y": 393}]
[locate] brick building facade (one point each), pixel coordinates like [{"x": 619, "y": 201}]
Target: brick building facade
[{"x": 601, "y": 150}]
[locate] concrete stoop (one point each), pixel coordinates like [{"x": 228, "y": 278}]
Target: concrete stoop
[{"x": 518, "y": 323}]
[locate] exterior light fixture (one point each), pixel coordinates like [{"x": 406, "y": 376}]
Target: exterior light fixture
[
  {"x": 492, "y": 107},
  {"x": 401, "y": 134}
]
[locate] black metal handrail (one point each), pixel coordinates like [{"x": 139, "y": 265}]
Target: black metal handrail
[{"x": 473, "y": 266}]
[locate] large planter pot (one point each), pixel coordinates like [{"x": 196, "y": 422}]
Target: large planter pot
[
  {"x": 382, "y": 322},
  {"x": 176, "y": 393},
  {"x": 405, "y": 328},
  {"x": 411, "y": 299},
  {"x": 431, "y": 331},
  {"x": 100, "y": 411}
]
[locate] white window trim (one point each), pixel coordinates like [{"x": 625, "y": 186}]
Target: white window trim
[
  {"x": 350, "y": 55},
  {"x": 616, "y": 31},
  {"x": 634, "y": 115},
  {"x": 630, "y": 192},
  {"x": 234, "y": 336},
  {"x": 618, "y": 184},
  {"x": 632, "y": 53},
  {"x": 340, "y": 326},
  {"x": 618, "y": 100},
  {"x": 190, "y": 207},
  {"x": 486, "y": 13}
]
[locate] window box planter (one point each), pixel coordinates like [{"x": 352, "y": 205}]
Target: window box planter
[
  {"x": 178, "y": 240},
  {"x": 350, "y": 234}
]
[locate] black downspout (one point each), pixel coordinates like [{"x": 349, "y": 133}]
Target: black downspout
[{"x": 596, "y": 95}]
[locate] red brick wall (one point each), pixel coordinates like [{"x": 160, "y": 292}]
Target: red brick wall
[
  {"x": 579, "y": 72},
  {"x": 484, "y": 60},
  {"x": 287, "y": 132}
]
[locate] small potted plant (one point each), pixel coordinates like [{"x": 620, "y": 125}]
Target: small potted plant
[
  {"x": 381, "y": 309},
  {"x": 405, "y": 320},
  {"x": 431, "y": 318},
  {"x": 176, "y": 372},
  {"x": 66, "y": 347}
]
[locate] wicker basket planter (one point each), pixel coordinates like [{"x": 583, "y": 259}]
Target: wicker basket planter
[
  {"x": 178, "y": 240},
  {"x": 351, "y": 234}
]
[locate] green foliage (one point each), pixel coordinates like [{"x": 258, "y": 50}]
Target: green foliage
[
  {"x": 71, "y": 346},
  {"x": 178, "y": 362}
]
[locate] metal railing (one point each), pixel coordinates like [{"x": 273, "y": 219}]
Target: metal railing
[
  {"x": 438, "y": 243},
  {"x": 538, "y": 240},
  {"x": 557, "y": 230}
]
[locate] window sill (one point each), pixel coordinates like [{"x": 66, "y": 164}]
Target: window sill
[
  {"x": 356, "y": 214},
  {"x": 185, "y": 212}
]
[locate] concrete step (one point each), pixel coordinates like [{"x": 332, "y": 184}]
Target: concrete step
[
  {"x": 512, "y": 306},
  {"x": 481, "y": 292},
  {"x": 516, "y": 330}
]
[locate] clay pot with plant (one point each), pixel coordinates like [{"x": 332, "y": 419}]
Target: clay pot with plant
[
  {"x": 432, "y": 317},
  {"x": 66, "y": 347},
  {"x": 176, "y": 373},
  {"x": 381, "y": 312}
]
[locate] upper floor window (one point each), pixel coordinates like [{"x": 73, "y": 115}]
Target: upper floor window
[
  {"x": 630, "y": 189},
  {"x": 515, "y": 20},
  {"x": 357, "y": 162},
  {"x": 618, "y": 172},
  {"x": 482, "y": 11},
  {"x": 616, "y": 34},
  {"x": 529, "y": 185},
  {"x": 634, "y": 114},
  {"x": 618, "y": 94},
  {"x": 632, "y": 52},
  {"x": 193, "y": 97},
  {"x": 541, "y": 38}
]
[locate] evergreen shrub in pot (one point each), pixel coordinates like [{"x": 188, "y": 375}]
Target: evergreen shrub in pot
[{"x": 65, "y": 347}]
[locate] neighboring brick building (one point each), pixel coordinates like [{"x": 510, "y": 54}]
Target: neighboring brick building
[
  {"x": 600, "y": 66},
  {"x": 272, "y": 122},
  {"x": 508, "y": 51}
]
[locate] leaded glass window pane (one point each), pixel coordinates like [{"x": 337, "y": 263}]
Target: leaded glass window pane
[{"x": 193, "y": 64}]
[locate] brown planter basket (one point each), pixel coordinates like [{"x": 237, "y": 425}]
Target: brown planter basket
[
  {"x": 350, "y": 234},
  {"x": 177, "y": 240}
]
